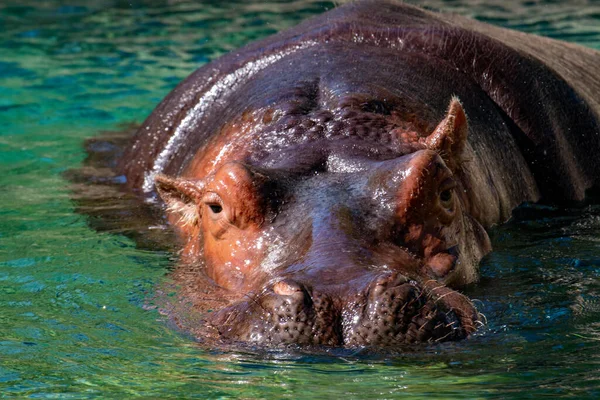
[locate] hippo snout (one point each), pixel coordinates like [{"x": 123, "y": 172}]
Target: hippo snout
[{"x": 390, "y": 310}]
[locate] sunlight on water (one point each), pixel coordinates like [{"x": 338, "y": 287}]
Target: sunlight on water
[{"x": 77, "y": 315}]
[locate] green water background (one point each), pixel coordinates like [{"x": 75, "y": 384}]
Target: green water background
[{"x": 76, "y": 312}]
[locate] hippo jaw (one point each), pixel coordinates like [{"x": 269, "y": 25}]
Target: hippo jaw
[{"x": 347, "y": 250}]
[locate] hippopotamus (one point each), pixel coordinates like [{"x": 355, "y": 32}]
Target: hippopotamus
[{"x": 335, "y": 182}]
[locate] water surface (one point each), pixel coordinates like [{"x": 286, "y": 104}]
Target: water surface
[{"x": 77, "y": 319}]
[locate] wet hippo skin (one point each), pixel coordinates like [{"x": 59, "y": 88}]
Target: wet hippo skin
[{"x": 332, "y": 184}]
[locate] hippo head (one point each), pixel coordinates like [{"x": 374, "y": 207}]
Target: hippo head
[{"x": 326, "y": 244}]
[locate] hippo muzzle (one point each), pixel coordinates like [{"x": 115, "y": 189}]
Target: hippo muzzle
[{"x": 391, "y": 310}]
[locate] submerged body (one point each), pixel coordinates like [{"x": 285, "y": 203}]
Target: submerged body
[{"x": 336, "y": 179}]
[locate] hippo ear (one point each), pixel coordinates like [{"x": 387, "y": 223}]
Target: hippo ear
[
  {"x": 181, "y": 196},
  {"x": 449, "y": 138}
]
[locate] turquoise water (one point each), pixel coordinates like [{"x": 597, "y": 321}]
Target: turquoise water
[{"x": 77, "y": 315}]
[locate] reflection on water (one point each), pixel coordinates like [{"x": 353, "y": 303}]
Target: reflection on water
[{"x": 76, "y": 310}]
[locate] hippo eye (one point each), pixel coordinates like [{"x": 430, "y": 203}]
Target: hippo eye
[
  {"x": 446, "y": 196},
  {"x": 214, "y": 202},
  {"x": 215, "y": 208}
]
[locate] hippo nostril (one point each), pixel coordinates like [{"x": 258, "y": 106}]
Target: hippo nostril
[{"x": 287, "y": 288}]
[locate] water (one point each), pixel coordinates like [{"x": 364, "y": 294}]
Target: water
[{"x": 77, "y": 318}]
